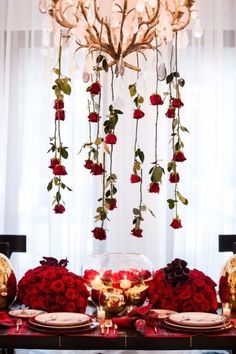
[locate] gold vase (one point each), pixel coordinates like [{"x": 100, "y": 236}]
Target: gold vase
[
  {"x": 8, "y": 283},
  {"x": 227, "y": 283}
]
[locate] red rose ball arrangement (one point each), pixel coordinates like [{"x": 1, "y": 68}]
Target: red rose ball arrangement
[
  {"x": 52, "y": 288},
  {"x": 180, "y": 289}
]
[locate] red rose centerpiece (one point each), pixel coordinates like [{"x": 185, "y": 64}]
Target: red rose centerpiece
[
  {"x": 180, "y": 289},
  {"x": 52, "y": 288}
]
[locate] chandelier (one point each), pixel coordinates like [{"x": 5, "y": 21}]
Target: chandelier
[{"x": 118, "y": 28}]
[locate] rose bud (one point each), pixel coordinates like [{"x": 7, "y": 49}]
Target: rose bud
[
  {"x": 59, "y": 170},
  {"x": 170, "y": 112},
  {"x": 154, "y": 188},
  {"x": 99, "y": 233},
  {"x": 135, "y": 178},
  {"x": 140, "y": 326},
  {"x": 179, "y": 156},
  {"x": 176, "y": 223},
  {"x": 94, "y": 89},
  {"x": 97, "y": 169},
  {"x": 110, "y": 139},
  {"x": 137, "y": 232},
  {"x": 58, "y": 104},
  {"x": 138, "y": 114},
  {"x": 60, "y": 114},
  {"x": 54, "y": 162},
  {"x": 88, "y": 164},
  {"x": 59, "y": 209},
  {"x": 111, "y": 203},
  {"x": 93, "y": 117},
  {"x": 156, "y": 99},
  {"x": 174, "y": 177},
  {"x": 177, "y": 103}
]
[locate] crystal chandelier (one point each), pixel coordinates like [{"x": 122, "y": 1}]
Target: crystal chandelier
[{"x": 118, "y": 28}]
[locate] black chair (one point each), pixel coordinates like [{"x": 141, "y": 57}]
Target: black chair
[{"x": 12, "y": 243}]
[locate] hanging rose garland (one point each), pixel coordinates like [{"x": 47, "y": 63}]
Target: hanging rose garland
[{"x": 60, "y": 87}]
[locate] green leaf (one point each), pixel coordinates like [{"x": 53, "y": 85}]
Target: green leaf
[
  {"x": 169, "y": 78},
  {"x": 139, "y": 153},
  {"x": 64, "y": 86},
  {"x": 56, "y": 71},
  {"x": 105, "y": 65},
  {"x": 184, "y": 129},
  {"x": 64, "y": 153},
  {"x": 181, "y": 82},
  {"x": 69, "y": 189},
  {"x": 58, "y": 197},
  {"x": 50, "y": 184},
  {"x": 157, "y": 174},
  {"x": 140, "y": 99},
  {"x": 136, "y": 101},
  {"x": 107, "y": 194},
  {"x": 182, "y": 199},
  {"x": 99, "y": 59},
  {"x": 171, "y": 203},
  {"x": 175, "y": 74},
  {"x": 151, "y": 212},
  {"x": 132, "y": 90},
  {"x": 118, "y": 111},
  {"x": 178, "y": 146},
  {"x": 136, "y": 211},
  {"x": 143, "y": 208}
]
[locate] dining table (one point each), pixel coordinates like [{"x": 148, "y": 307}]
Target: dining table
[{"x": 158, "y": 338}]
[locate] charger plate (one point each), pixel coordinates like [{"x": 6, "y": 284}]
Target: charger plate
[
  {"x": 25, "y": 313},
  {"x": 227, "y": 324},
  {"x": 32, "y": 324},
  {"x": 197, "y": 319},
  {"x": 63, "y": 319},
  {"x": 162, "y": 313}
]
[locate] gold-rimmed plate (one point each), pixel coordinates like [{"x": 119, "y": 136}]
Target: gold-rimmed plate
[
  {"x": 32, "y": 324},
  {"x": 199, "y": 319},
  {"x": 63, "y": 319},
  {"x": 25, "y": 313},
  {"x": 227, "y": 324}
]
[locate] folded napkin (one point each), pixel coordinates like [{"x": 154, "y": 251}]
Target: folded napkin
[
  {"x": 139, "y": 318},
  {"x": 6, "y": 320}
]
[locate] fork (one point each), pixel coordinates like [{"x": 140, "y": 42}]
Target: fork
[
  {"x": 108, "y": 324},
  {"x": 18, "y": 324}
]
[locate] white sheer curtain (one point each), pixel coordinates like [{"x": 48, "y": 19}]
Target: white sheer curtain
[{"x": 208, "y": 65}]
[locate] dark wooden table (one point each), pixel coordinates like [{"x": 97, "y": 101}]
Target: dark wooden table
[{"x": 126, "y": 340}]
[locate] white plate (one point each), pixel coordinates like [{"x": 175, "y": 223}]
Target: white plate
[
  {"x": 25, "y": 313},
  {"x": 196, "y": 319},
  {"x": 67, "y": 327},
  {"x": 62, "y": 318},
  {"x": 163, "y": 313}
]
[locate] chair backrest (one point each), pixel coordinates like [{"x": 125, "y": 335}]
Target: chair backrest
[{"x": 12, "y": 243}]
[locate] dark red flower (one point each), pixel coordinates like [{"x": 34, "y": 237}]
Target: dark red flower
[
  {"x": 97, "y": 169},
  {"x": 138, "y": 114},
  {"x": 156, "y": 99},
  {"x": 137, "y": 232},
  {"x": 176, "y": 223},
  {"x": 99, "y": 233},
  {"x": 170, "y": 112},
  {"x": 179, "y": 156},
  {"x": 111, "y": 203},
  {"x": 59, "y": 209},
  {"x": 59, "y": 170},
  {"x": 134, "y": 178},
  {"x": 88, "y": 164},
  {"x": 58, "y": 286},
  {"x": 59, "y": 104},
  {"x": 60, "y": 114},
  {"x": 54, "y": 162},
  {"x": 93, "y": 117},
  {"x": 154, "y": 188},
  {"x": 177, "y": 103},
  {"x": 110, "y": 139},
  {"x": 174, "y": 177},
  {"x": 95, "y": 88}
]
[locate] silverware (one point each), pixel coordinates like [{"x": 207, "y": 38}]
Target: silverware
[
  {"x": 108, "y": 324},
  {"x": 18, "y": 324},
  {"x": 115, "y": 328},
  {"x": 102, "y": 327}
]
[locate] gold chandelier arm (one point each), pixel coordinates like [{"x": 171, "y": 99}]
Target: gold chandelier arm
[{"x": 58, "y": 14}]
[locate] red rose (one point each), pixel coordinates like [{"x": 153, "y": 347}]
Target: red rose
[
  {"x": 170, "y": 112},
  {"x": 93, "y": 117},
  {"x": 179, "y": 156},
  {"x": 70, "y": 307},
  {"x": 58, "y": 286},
  {"x": 99, "y": 233},
  {"x": 54, "y": 162},
  {"x": 177, "y": 103},
  {"x": 94, "y": 89},
  {"x": 59, "y": 104},
  {"x": 97, "y": 169},
  {"x": 137, "y": 232},
  {"x": 176, "y": 223},
  {"x": 174, "y": 177},
  {"x": 138, "y": 114},
  {"x": 135, "y": 178},
  {"x": 111, "y": 203},
  {"x": 156, "y": 99},
  {"x": 59, "y": 209},
  {"x": 60, "y": 114},
  {"x": 70, "y": 294},
  {"x": 154, "y": 188},
  {"x": 110, "y": 139},
  {"x": 59, "y": 170},
  {"x": 88, "y": 164}
]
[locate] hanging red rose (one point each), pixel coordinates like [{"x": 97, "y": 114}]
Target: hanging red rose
[
  {"x": 138, "y": 114},
  {"x": 54, "y": 162},
  {"x": 88, "y": 164},
  {"x": 137, "y": 232},
  {"x": 59, "y": 170},
  {"x": 93, "y": 117},
  {"x": 154, "y": 188},
  {"x": 179, "y": 156},
  {"x": 99, "y": 233},
  {"x": 156, "y": 99},
  {"x": 60, "y": 114},
  {"x": 59, "y": 209},
  {"x": 170, "y": 112},
  {"x": 110, "y": 139},
  {"x": 95, "y": 88},
  {"x": 58, "y": 104},
  {"x": 177, "y": 103},
  {"x": 97, "y": 169},
  {"x": 176, "y": 223},
  {"x": 174, "y": 177},
  {"x": 134, "y": 178},
  {"x": 51, "y": 287}
]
